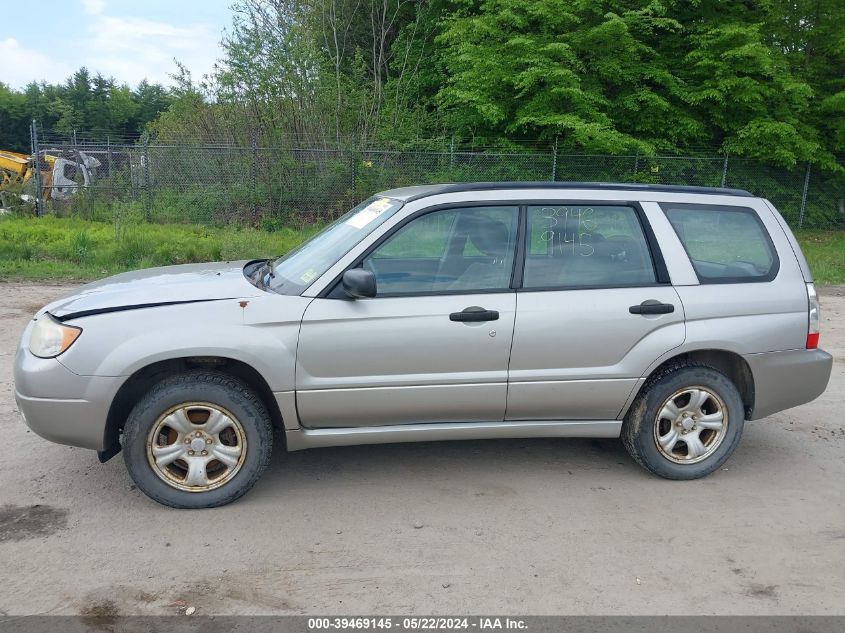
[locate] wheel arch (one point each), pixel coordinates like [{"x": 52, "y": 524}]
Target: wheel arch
[
  {"x": 733, "y": 365},
  {"x": 143, "y": 379}
]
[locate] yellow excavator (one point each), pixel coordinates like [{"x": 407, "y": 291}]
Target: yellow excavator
[
  {"x": 19, "y": 168},
  {"x": 62, "y": 174}
]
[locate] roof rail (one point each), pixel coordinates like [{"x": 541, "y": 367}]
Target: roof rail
[{"x": 424, "y": 191}]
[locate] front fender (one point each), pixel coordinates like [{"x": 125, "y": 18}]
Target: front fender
[{"x": 121, "y": 343}]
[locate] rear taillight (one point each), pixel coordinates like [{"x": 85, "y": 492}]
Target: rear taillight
[{"x": 813, "y": 325}]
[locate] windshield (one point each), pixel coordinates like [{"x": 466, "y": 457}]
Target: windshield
[{"x": 299, "y": 268}]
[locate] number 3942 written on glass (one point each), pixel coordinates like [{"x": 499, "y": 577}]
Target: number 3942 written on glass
[{"x": 569, "y": 229}]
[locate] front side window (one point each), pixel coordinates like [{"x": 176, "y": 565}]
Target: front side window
[
  {"x": 572, "y": 246},
  {"x": 724, "y": 244},
  {"x": 453, "y": 250}
]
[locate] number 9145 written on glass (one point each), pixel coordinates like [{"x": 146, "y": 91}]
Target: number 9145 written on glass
[{"x": 569, "y": 229}]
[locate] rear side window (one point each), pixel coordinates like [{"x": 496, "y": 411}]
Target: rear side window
[
  {"x": 724, "y": 244},
  {"x": 574, "y": 246}
]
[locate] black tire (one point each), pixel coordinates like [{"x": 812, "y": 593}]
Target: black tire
[
  {"x": 638, "y": 428},
  {"x": 198, "y": 386}
]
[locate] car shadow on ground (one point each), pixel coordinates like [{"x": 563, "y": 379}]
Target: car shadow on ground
[
  {"x": 596, "y": 464},
  {"x": 494, "y": 459}
]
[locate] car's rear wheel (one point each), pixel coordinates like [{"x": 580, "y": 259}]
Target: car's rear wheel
[
  {"x": 197, "y": 440},
  {"x": 685, "y": 423}
]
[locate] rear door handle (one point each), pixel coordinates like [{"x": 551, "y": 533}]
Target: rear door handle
[
  {"x": 651, "y": 306},
  {"x": 474, "y": 313}
]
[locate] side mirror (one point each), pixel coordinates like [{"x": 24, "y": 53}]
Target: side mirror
[{"x": 359, "y": 283}]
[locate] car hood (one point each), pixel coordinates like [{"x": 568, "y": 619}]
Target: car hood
[{"x": 156, "y": 286}]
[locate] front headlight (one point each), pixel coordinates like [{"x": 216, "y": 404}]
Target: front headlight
[{"x": 49, "y": 338}]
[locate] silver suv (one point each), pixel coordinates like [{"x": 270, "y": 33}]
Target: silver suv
[{"x": 664, "y": 315}]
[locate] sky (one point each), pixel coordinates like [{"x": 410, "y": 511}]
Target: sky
[{"x": 128, "y": 40}]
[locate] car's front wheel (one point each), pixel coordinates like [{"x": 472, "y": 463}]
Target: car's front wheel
[
  {"x": 197, "y": 440},
  {"x": 685, "y": 423}
]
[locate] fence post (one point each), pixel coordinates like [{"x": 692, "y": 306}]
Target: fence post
[
  {"x": 451, "y": 157},
  {"x": 804, "y": 198},
  {"x": 108, "y": 146},
  {"x": 353, "y": 171},
  {"x": 554, "y": 161},
  {"x": 636, "y": 164},
  {"x": 725, "y": 171},
  {"x": 254, "y": 177},
  {"x": 147, "y": 190},
  {"x": 39, "y": 190}
]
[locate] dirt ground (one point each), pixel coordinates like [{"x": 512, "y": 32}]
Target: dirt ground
[{"x": 508, "y": 526}]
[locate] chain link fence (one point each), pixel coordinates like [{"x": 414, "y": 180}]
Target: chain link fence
[{"x": 254, "y": 185}]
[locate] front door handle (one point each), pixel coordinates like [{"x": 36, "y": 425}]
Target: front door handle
[
  {"x": 651, "y": 306},
  {"x": 474, "y": 313}
]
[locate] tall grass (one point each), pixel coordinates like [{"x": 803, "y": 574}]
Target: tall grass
[
  {"x": 825, "y": 253},
  {"x": 72, "y": 248}
]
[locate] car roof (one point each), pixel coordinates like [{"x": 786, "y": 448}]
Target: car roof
[{"x": 422, "y": 191}]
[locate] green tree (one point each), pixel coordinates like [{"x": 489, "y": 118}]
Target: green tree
[
  {"x": 810, "y": 35},
  {"x": 584, "y": 71},
  {"x": 739, "y": 86},
  {"x": 14, "y": 126},
  {"x": 95, "y": 104},
  {"x": 757, "y": 79}
]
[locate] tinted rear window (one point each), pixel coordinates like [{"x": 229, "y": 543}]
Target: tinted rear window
[{"x": 724, "y": 244}]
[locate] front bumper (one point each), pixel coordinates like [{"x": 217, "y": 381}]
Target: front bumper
[
  {"x": 61, "y": 406},
  {"x": 783, "y": 380}
]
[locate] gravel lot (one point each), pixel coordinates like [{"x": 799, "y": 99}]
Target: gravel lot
[{"x": 509, "y": 526}]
